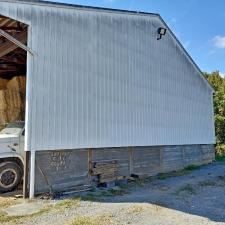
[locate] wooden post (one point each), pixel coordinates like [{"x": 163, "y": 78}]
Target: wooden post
[
  {"x": 90, "y": 152},
  {"x": 183, "y": 155},
  {"x": 130, "y": 160},
  {"x": 161, "y": 159},
  {"x": 25, "y": 177}
]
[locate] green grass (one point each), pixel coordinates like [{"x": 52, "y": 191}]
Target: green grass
[
  {"x": 68, "y": 203},
  {"x": 91, "y": 197},
  {"x": 185, "y": 171},
  {"x": 163, "y": 176},
  {"x": 220, "y": 158},
  {"x": 191, "y": 167},
  {"x": 118, "y": 192}
]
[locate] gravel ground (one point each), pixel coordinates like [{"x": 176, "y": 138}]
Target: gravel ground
[{"x": 195, "y": 198}]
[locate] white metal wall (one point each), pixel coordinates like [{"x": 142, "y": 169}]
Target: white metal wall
[{"x": 101, "y": 79}]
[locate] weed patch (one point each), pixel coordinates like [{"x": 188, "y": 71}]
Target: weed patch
[
  {"x": 191, "y": 167},
  {"x": 163, "y": 176},
  {"x": 136, "y": 209},
  {"x": 207, "y": 183},
  {"x": 105, "y": 219},
  {"x": 186, "y": 190},
  {"x": 91, "y": 197},
  {"x": 6, "y": 202},
  {"x": 185, "y": 171},
  {"x": 68, "y": 203}
]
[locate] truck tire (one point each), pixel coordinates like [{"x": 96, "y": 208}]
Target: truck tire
[{"x": 10, "y": 176}]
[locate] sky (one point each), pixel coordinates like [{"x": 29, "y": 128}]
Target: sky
[{"x": 198, "y": 24}]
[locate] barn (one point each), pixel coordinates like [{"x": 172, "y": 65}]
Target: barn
[{"x": 109, "y": 94}]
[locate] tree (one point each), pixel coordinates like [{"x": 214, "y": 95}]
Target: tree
[{"x": 218, "y": 83}]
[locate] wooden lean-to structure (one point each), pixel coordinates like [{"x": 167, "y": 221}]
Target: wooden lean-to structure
[{"x": 12, "y": 72}]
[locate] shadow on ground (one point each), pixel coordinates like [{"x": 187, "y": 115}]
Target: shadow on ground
[{"x": 200, "y": 192}]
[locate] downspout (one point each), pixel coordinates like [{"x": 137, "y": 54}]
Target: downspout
[
  {"x": 32, "y": 173},
  {"x": 30, "y": 152}
]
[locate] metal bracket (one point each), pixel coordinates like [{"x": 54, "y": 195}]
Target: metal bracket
[{"x": 16, "y": 42}]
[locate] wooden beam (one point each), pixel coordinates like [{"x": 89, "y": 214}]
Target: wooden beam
[
  {"x": 17, "y": 42},
  {"x": 25, "y": 177},
  {"x": 5, "y": 28},
  {"x": 12, "y": 59},
  {"x": 8, "y": 46}
]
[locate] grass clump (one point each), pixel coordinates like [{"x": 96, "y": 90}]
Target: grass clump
[
  {"x": 105, "y": 219},
  {"x": 137, "y": 209},
  {"x": 163, "y": 176},
  {"x": 191, "y": 167},
  {"x": 90, "y": 197},
  {"x": 7, "y": 201},
  {"x": 185, "y": 171},
  {"x": 116, "y": 192},
  {"x": 68, "y": 203},
  {"x": 4, "y": 218},
  {"x": 187, "y": 189},
  {"x": 207, "y": 183}
]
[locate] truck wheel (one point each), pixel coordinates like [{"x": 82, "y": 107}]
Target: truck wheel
[{"x": 10, "y": 176}]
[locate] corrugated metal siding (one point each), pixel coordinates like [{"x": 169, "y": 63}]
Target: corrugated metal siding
[{"x": 103, "y": 80}]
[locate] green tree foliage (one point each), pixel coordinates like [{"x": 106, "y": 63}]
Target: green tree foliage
[{"x": 218, "y": 84}]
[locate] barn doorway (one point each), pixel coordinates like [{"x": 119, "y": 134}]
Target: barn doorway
[{"x": 13, "y": 66}]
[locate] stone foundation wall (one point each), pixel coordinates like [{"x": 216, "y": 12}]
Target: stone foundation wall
[{"x": 64, "y": 169}]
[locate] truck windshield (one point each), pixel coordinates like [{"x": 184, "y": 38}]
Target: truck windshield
[{"x": 13, "y": 128}]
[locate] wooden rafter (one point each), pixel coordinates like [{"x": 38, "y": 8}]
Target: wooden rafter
[
  {"x": 16, "y": 28},
  {"x": 8, "y": 46},
  {"x": 13, "y": 49}
]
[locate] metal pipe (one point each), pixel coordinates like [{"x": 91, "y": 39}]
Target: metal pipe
[
  {"x": 32, "y": 173},
  {"x": 30, "y": 60}
]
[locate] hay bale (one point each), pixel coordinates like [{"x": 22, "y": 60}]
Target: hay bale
[
  {"x": 18, "y": 84},
  {"x": 12, "y": 105},
  {"x": 3, "y": 83},
  {"x": 11, "y": 100},
  {"x": 10, "y": 116}
]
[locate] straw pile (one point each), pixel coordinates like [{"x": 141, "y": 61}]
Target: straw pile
[
  {"x": 17, "y": 83},
  {"x": 3, "y": 83},
  {"x": 12, "y": 100}
]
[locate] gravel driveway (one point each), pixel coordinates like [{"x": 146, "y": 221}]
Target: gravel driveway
[{"x": 198, "y": 197}]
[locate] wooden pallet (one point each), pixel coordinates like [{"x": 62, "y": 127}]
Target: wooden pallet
[{"x": 106, "y": 171}]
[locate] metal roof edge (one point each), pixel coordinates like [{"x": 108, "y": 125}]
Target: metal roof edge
[
  {"x": 81, "y": 7},
  {"x": 188, "y": 56}
]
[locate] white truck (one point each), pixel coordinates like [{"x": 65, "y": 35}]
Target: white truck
[{"x": 11, "y": 156}]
